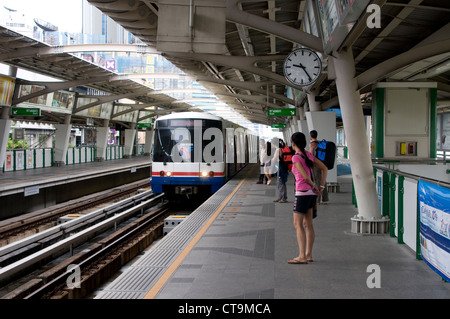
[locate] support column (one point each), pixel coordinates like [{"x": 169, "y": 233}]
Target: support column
[
  {"x": 148, "y": 141},
  {"x": 5, "y": 125},
  {"x": 358, "y": 146},
  {"x": 314, "y": 106},
  {"x": 293, "y": 126},
  {"x": 286, "y": 137},
  {"x": 303, "y": 127},
  {"x": 62, "y": 136},
  {"x": 130, "y": 135},
  {"x": 325, "y": 124},
  {"x": 102, "y": 141}
]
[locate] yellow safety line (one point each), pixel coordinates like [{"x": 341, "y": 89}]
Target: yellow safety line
[{"x": 168, "y": 273}]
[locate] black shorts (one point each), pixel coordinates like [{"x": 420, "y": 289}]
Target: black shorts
[{"x": 304, "y": 202}]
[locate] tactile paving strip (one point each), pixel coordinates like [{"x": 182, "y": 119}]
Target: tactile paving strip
[{"x": 140, "y": 277}]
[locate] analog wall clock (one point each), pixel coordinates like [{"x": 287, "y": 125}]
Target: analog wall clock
[{"x": 302, "y": 67}]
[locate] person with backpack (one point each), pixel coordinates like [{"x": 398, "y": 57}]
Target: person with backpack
[
  {"x": 323, "y": 198},
  {"x": 284, "y": 165},
  {"x": 306, "y": 192}
]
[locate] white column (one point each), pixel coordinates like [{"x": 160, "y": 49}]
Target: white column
[
  {"x": 325, "y": 124},
  {"x": 148, "y": 142},
  {"x": 5, "y": 125},
  {"x": 129, "y": 142},
  {"x": 314, "y": 106},
  {"x": 102, "y": 143},
  {"x": 303, "y": 127},
  {"x": 293, "y": 125},
  {"x": 355, "y": 132},
  {"x": 62, "y": 135},
  {"x": 286, "y": 137}
]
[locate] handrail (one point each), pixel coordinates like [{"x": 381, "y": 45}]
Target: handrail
[
  {"x": 413, "y": 176},
  {"x": 409, "y": 161}
]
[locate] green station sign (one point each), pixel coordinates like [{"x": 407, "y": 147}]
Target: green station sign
[
  {"x": 278, "y": 125},
  {"x": 282, "y": 112},
  {"x": 26, "y": 111},
  {"x": 141, "y": 125}
]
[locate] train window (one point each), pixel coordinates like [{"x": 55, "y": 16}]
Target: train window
[{"x": 174, "y": 139}]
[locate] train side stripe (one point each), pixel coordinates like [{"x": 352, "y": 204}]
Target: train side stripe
[{"x": 188, "y": 174}]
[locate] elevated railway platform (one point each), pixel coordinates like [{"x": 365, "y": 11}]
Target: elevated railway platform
[
  {"x": 238, "y": 243},
  {"x": 28, "y": 190}
]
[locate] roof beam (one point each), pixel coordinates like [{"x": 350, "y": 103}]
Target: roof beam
[
  {"x": 55, "y": 86},
  {"x": 73, "y": 48},
  {"x": 413, "y": 55},
  {"x": 105, "y": 99},
  {"x": 244, "y": 63},
  {"x": 234, "y": 14},
  {"x": 250, "y": 86},
  {"x": 401, "y": 16}
]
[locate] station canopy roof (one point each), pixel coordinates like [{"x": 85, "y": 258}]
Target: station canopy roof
[{"x": 245, "y": 71}]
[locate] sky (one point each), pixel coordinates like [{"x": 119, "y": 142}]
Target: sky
[{"x": 65, "y": 14}]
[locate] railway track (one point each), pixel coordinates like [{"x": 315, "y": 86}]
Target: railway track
[
  {"x": 28, "y": 254},
  {"x": 22, "y": 226},
  {"x": 97, "y": 264},
  {"x": 71, "y": 260}
]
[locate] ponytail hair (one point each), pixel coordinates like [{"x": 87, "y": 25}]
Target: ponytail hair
[{"x": 299, "y": 139}]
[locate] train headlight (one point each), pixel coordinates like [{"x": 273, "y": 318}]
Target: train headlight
[
  {"x": 169, "y": 173},
  {"x": 161, "y": 173},
  {"x": 211, "y": 174},
  {"x": 204, "y": 174}
]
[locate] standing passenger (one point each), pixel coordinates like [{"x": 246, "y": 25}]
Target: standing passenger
[
  {"x": 321, "y": 199},
  {"x": 262, "y": 146},
  {"x": 283, "y": 172},
  {"x": 305, "y": 196},
  {"x": 267, "y": 165}
]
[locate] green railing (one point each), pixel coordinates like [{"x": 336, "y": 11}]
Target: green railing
[
  {"x": 32, "y": 158},
  {"x": 397, "y": 195},
  {"x": 24, "y": 159},
  {"x": 78, "y": 155}
]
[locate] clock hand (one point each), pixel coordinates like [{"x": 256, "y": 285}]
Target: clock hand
[
  {"x": 307, "y": 74},
  {"x": 299, "y": 66},
  {"x": 304, "y": 69}
]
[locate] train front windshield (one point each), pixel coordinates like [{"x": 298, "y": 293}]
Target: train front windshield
[{"x": 174, "y": 139}]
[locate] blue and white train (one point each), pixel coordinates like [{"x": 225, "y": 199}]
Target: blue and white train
[{"x": 195, "y": 153}]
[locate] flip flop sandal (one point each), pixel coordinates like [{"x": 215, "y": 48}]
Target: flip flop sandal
[{"x": 296, "y": 261}]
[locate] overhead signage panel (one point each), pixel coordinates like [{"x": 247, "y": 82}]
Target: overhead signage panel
[
  {"x": 337, "y": 18},
  {"x": 26, "y": 111},
  {"x": 278, "y": 125},
  {"x": 282, "y": 112}
]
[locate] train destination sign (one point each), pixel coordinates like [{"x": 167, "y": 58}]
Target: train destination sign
[{"x": 282, "y": 112}]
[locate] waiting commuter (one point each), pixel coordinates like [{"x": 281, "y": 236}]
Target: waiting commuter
[
  {"x": 317, "y": 174},
  {"x": 282, "y": 174},
  {"x": 306, "y": 192},
  {"x": 265, "y": 158},
  {"x": 262, "y": 155}
]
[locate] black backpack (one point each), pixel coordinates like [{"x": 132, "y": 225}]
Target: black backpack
[{"x": 326, "y": 152}]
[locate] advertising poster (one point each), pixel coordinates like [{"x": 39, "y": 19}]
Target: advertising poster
[
  {"x": 328, "y": 17},
  {"x": 434, "y": 213},
  {"x": 6, "y": 90},
  {"x": 9, "y": 162}
]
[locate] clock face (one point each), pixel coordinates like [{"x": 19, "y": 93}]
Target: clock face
[{"x": 302, "y": 67}]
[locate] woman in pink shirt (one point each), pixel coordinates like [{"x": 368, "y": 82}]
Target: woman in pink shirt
[{"x": 305, "y": 196}]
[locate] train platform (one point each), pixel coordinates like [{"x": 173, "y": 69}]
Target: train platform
[
  {"x": 237, "y": 244},
  {"x": 12, "y": 182},
  {"x": 27, "y": 190}
]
